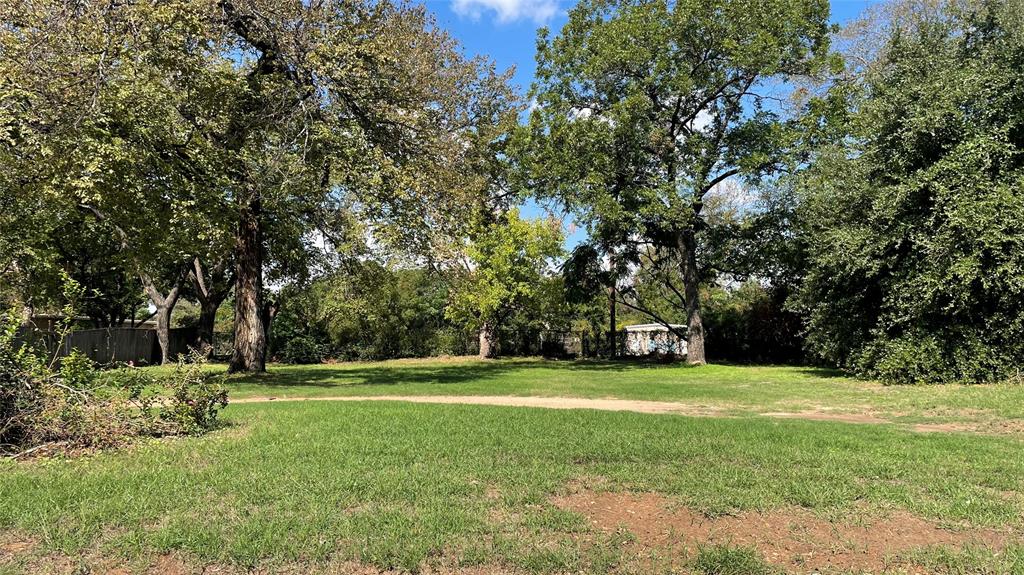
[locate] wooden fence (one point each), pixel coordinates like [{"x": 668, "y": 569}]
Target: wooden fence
[{"x": 111, "y": 345}]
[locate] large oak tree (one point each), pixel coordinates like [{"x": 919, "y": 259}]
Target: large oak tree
[{"x": 177, "y": 122}]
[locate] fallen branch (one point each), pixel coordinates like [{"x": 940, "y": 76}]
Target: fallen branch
[{"x": 36, "y": 448}]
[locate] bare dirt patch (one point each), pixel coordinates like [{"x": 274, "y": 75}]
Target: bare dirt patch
[
  {"x": 14, "y": 547},
  {"x": 794, "y": 539},
  {"x": 637, "y": 406},
  {"x": 991, "y": 427}
]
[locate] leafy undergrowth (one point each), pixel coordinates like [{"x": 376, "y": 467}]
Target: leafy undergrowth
[
  {"x": 65, "y": 405},
  {"x": 411, "y": 487}
]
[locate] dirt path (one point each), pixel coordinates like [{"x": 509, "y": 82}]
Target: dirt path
[
  {"x": 669, "y": 407},
  {"x": 636, "y": 406},
  {"x": 632, "y": 405}
]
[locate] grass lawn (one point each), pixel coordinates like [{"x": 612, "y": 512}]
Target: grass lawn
[
  {"x": 352, "y": 487},
  {"x": 737, "y": 389}
]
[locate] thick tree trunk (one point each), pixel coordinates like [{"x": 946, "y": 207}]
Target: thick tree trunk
[
  {"x": 488, "y": 349},
  {"x": 250, "y": 337},
  {"x": 691, "y": 292}
]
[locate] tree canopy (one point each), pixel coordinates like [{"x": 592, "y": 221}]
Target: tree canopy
[
  {"x": 913, "y": 218},
  {"x": 644, "y": 108}
]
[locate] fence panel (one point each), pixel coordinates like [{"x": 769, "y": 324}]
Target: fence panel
[{"x": 110, "y": 345}]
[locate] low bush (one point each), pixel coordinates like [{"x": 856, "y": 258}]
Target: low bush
[
  {"x": 302, "y": 349},
  {"x": 71, "y": 404}
]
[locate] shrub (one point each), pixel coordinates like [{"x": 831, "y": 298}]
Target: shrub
[
  {"x": 302, "y": 349},
  {"x": 75, "y": 405},
  {"x": 17, "y": 383},
  {"x": 196, "y": 396}
]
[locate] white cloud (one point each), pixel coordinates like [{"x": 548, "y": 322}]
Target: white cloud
[{"x": 540, "y": 11}]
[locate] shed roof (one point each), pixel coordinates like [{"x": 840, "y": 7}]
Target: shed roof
[{"x": 653, "y": 327}]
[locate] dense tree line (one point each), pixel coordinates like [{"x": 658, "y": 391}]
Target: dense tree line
[
  {"x": 913, "y": 207},
  {"x": 342, "y": 178}
]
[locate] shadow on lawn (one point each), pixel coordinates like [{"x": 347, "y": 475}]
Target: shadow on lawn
[
  {"x": 823, "y": 372},
  {"x": 350, "y": 375},
  {"x": 325, "y": 376}
]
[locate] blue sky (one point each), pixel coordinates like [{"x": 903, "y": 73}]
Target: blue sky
[{"x": 506, "y": 31}]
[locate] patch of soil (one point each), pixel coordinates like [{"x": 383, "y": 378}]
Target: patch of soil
[
  {"x": 794, "y": 539},
  {"x": 943, "y": 427},
  {"x": 637, "y": 406},
  {"x": 996, "y": 427},
  {"x": 13, "y": 547}
]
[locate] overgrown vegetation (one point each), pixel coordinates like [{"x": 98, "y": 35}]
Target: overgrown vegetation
[
  {"x": 68, "y": 403},
  {"x": 913, "y": 206}
]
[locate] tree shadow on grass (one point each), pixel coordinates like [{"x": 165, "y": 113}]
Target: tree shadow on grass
[
  {"x": 374, "y": 375},
  {"x": 823, "y": 372},
  {"x": 350, "y": 375}
]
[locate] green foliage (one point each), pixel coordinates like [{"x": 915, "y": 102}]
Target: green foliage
[
  {"x": 197, "y": 128},
  {"x": 17, "y": 364},
  {"x": 302, "y": 349},
  {"x": 913, "y": 220},
  {"x": 367, "y": 310},
  {"x": 645, "y": 108},
  {"x": 750, "y": 324},
  {"x": 76, "y": 406},
  {"x": 509, "y": 262},
  {"x": 191, "y": 397}
]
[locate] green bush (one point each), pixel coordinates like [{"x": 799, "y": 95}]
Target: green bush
[
  {"x": 302, "y": 349},
  {"x": 74, "y": 405},
  {"x": 196, "y": 396},
  {"x": 17, "y": 389}
]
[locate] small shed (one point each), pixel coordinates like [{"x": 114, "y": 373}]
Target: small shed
[{"x": 654, "y": 339}]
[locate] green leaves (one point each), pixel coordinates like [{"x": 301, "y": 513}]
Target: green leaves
[
  {"x": 914, "y": 228},
  {"x": 509, "y": 259}
]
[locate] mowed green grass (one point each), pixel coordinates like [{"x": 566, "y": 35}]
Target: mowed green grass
[
  {"x": 399, "y": 485},
  {"x": 751, "y": 389}
]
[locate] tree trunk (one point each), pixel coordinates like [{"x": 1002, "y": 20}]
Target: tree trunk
[
  {"x": 204, "y": 330},
  {"x": 612, "y": 335},
  {"x": 691, "y": 291},
  {"x": 250, "y": 337},
  {"x": 212, "y": 288},
  {"x": 488, "y": 349},
  {"x": 270, "y": 309},
  {"x": 164, "y": 307},
  {"x": 163, "y": 332}
]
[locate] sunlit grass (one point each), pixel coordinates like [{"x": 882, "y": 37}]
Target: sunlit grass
[
  {"x": 400, "y": 485},
  {"x": 742, "y": 388}
]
